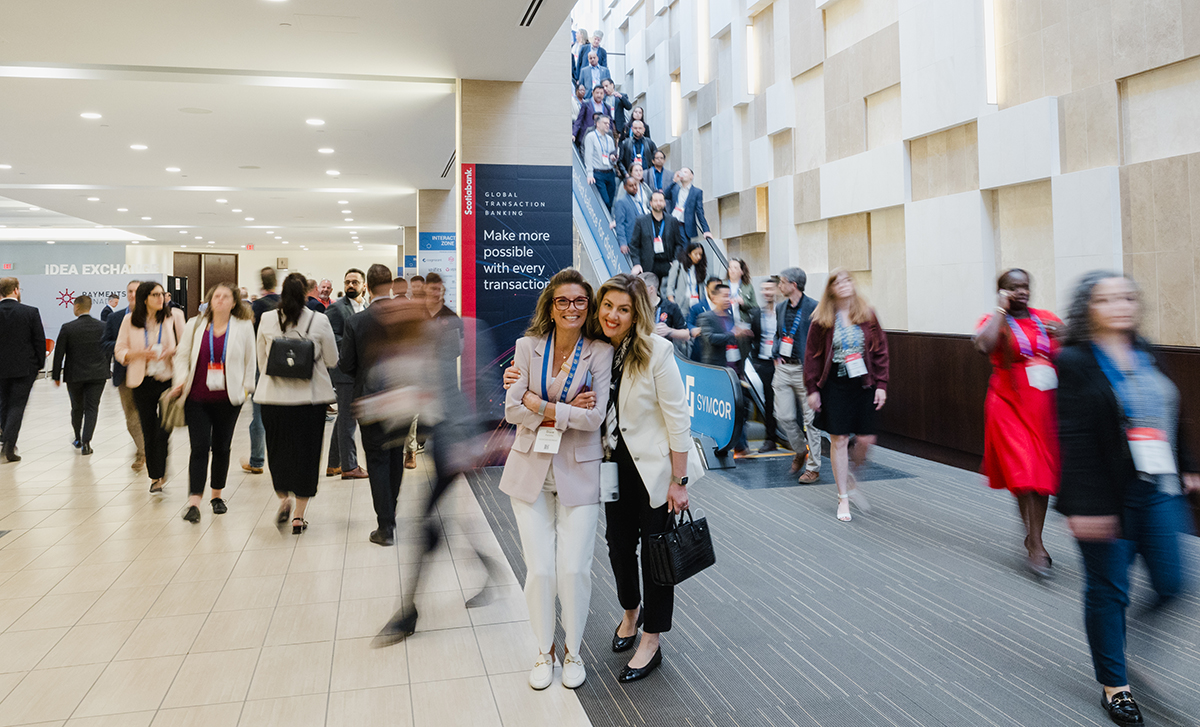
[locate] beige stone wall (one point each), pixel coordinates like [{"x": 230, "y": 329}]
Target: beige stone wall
[
  {"x": 1024, "y": 237},
  {"x": 945, "y": 163}
]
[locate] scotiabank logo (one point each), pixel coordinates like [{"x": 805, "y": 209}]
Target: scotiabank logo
[{"x": 468, "y": 192}]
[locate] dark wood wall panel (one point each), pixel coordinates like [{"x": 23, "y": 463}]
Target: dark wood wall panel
[
  {"x": 219, "y": 268},
  {"x": 187, "y": 265}
]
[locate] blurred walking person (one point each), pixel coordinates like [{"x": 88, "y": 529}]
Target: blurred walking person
[
  {"x": 846, "y": 375},
  {"x": 343, "y": 451},
  {"x": 293, "y": 406},
  {"x": 146, "y": 346},
  {"x": 213, "y": 372},
  {"x": 1020, "y": 444},
  {"x": 85, "y": 371},
  {"x": 133, "y": 424},
  {"x": 1124, "y": 464},
  {"x": 267, "y": 301},
  {"x": 764, "y": 324},
  {"x": 21, "y": 358},
  {"x": 793, "y": 317}
]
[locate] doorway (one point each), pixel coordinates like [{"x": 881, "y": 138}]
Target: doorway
[{"x": 204, "y": 270}]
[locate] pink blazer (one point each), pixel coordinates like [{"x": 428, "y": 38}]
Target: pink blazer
[
  {"x": 577, "y": 463},
  {"x": 130, "y": 340}
]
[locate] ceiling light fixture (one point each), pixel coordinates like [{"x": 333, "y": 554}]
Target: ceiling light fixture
[
  {"x": 5, "y": 166},
  {"x": 346, "y": 212},
  {"x": 222, "y": 201},
  {"x": 35, "y": 209},
  {"x": 235, "y": 210},
  {"x": 279, "y": 237},
  {"x": 173, "y": 169},
  {"x": 138, "y": 147},
  {"x": 93, "y": 199},
  {"x": 122, "y": 209},
  {"x": 212, "y": 242},
  {"x": 135, "y": 242},
  {"x": 183, "y": 245},
  {"x": 145, "y": 218},
  {"x": 332, "y": 172},
  {"x": 343, "y": 201},
  {"x": 349, "y": 219},
  {"x": 325, "y": 150},
  {"x": 183, "y": 232},
  {"x": 249, "y": 219},
  {"x": 199, "y": 237},
  {"x": 49, "y": 242},
  {"x": 285, "y": 242},
  {"x": 315, "y": 122},
  {"x": 90, "y": 115}
]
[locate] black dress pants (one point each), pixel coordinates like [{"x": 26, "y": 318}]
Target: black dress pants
[
  {"x": 157, "y": 439},
  {"x": 14, "y": 395},
  {"x": 210, "y": 427},
  {"x": 385, "y": 470},
  {"x": 631, "y": 521},
  {"x": 765, "y": 368},
  {"x": 85, "y": 405}
]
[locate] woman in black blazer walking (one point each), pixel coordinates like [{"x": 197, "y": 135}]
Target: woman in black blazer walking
[{"x": 1124, "y": 461}]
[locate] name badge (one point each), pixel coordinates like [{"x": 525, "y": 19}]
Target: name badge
[
  {"x": 785, "y": 347},
  {"x": 658, "y": 245},
  {"x": 610, "y": 485},
  {"x": 215, "y": 381},
  {"x": 548, "y": 440},
  {"x": 638, "y": 159},
  {"x": 1042, "y": 376},
  {"x": 678, "y": 213},
  {"x": 855, "y": 365},
  {"x": 764, "y": 349},
  {"x": 1151, "y": 451},
  {"x": 733, "y": 354}
]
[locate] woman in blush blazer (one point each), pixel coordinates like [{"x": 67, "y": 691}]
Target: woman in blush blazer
[
  {"x": 146, "y": 346},
  {"x": 553, "y": 470},
  {"x": 214, "y": 370}
]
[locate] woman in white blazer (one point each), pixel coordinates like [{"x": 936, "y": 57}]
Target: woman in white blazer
[
  {"x": 553, "y": 470},
  {"x": 293, "y": 410},
  {"x": 214, "y": 370},
  {"x": 146, "y": 346}
]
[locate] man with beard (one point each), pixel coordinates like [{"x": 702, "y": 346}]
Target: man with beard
[{"x": 343, "y": 452}]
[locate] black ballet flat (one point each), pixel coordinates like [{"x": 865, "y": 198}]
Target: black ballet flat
[
  {"x": 192, "y": 515},
  {"x": 630, "y": 674},
  {"x": 402, "y": 625},
  {"x": 1122, "y": 709},
  {"x": 218, "y": 506},
  {"x": 625, "y": 643}
]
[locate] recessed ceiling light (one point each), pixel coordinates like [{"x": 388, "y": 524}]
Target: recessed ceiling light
[
  {"x": 349, "y": 219},
  {"x": 5, "y": 166},
  {"x": 346, "y": 212},
  {"x": 222, "y": 201},
  {"x": 138, "y": 147},
  {"x": 315, "y": 122},
  {"x": 325, "y": 150},
  {"x": 145, "y": 218},
  {"x": 235, "y": 210},
  {"x": 199, "y": 237},
  {"x": 249, "y": 219},
  {"x": 35, "y": 209},
  {"x": 183, "y": 232},
  {"x": 212, "y": 242},
  {"x": 49, "y": 242},
  {"x": 173, "y": 169},
  {"x": 332, "y": 172},
  {"x": 343, "y": 201},
  {"x": 135, "y": 241},
  {"x": 122, "y": 209},
  {"x": 93, "y": 199},
  {"x": 183, "y": 245},
  {"x": 285, "y": 242},
  {"x": 90, "y": 115},
  {"x": 279, "y": 237}
]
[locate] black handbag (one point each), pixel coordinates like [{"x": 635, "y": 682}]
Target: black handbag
[
  {"x": 292, "y": 358},
  {"x": 682, "y": 551}
]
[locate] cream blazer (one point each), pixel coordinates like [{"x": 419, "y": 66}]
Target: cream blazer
[
  {"x": 129, "y": 341},
  {"x": 295, "y": 392},
  {"x": 577, "y": 463},
  {"x": 240, "y": 358},
  {"x": 654, "y": 420}
]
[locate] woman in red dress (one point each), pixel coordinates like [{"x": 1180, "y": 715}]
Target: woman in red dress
[{"x": 1020, "y": 446}]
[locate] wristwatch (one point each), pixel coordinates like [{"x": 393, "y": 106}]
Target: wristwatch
[{"x": 681, "y": 481}]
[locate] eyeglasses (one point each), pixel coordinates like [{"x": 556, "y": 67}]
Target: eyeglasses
[
  {"x": 156, "y": 294},
  {"x": 577, "y": 303}
]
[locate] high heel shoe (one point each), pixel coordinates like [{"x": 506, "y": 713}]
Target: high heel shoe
[
  {"x": 625, "y": 643},
  {"x": 632, "y": 674},
  {"x": 297, "y": 529},
  {"x": 402, "y": 625},
  {"x": 843, "y": 516},
  {"x": 859, "y": 499}
]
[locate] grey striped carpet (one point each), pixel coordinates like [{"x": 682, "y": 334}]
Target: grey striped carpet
[{"x": 918, "y": 613}]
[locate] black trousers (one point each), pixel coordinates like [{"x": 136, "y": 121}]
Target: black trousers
[
  {"x": 85, "y": 405},
  {"x": 157, "y": 439},
  {"x": 385, "y": 470},
  {"x": 765, "y": 368},
  {"x": 210, "y": 427},
  {"x": 661, "y": 269},
  {"x": 14, "y": 395},
  {"x": 294, "y": 435},
  {"x": 631, "y": 521}
]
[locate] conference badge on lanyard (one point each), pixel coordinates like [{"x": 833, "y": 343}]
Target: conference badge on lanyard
[
  {"x": 1151, "y": 451},
  {"x": 658, "y": 240},
  {"x": 733, "y": 354},
  {"x": 215, "y": 381},
  {"x": 855, "y": 365},
  {"x": 1038, "y": 371},
  {"x": 549, "y": 438}
]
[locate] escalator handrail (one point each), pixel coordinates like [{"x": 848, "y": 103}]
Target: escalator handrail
[{"x": 598, "y": 219}]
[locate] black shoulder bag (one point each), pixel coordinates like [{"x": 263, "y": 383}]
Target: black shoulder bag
[
  {"x": 682, "y": 551},
  {"x": 292, "y": 358}
]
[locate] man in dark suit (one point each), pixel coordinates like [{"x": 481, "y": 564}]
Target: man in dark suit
[
  {"x": 581, "y": 61},
  {"x": 687, "y": 206},
  {"x": 655, "y": 240},
  {"x": 268, "y": 301},
  {"x": 343, "y": 452},
  {"x": 362, "y": 335},
  {"x": 86, "y": 371},
  {"x": 586, "y": 119},
  {"x": 133, "y": 423},
  {"x": 625, "y": 214},
  {"x": 637, "y": 149},
  {"x": 619, "y": 103},
  {"x": 592, "y": 74},
  {"x": 21, "y": 357},
  {"x": 113, "y": 302}
]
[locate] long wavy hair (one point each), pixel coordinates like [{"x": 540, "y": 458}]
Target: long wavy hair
[
  {"x": 1079, "y": 312},
  {"x": 685, "y": 259},
  {"x": 541, "y": 323},
  {"x": 826, "y": 312},
  {"x": 292, "y": 297},
  {"x": 641, "y": 328},
  {"x": 137, "y": 318}
]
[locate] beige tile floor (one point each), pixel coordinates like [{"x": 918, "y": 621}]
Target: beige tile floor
[{"x": 115, "y": 611}]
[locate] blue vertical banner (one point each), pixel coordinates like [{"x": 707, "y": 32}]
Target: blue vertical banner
[
  {"x": 516, "y": 228},
  {"x": 437, "y": 252}
]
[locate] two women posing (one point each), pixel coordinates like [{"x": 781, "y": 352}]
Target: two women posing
[{"x": 573, "y": 397}]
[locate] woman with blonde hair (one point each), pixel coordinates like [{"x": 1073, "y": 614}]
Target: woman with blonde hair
[
  {"x": 558, "y": 403},
  {"x": 846, "y": 375},
  {"x": 214, "y": 372}
]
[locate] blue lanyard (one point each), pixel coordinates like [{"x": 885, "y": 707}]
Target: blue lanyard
[
  {"x": 662, "y": 225},
  {"x": 146, "y": 336},
  {"x": 797, "y": 319},
  {"x": 546, "y": 378},
  {"x": 1043, "y": 340},
  {"x": 641, "y": 146},
  {"x": 212, "y": 345},
  {"x": 657, "y": 179},
  {"x": 1120, "y": 382},
  {"x": 603, "y": 142}
]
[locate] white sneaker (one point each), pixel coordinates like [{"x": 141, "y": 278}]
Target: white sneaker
[
  {"x": 573, "y": 675},
  {"x": 542, "y": 674}
]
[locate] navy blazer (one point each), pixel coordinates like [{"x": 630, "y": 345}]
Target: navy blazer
[
  {"x": 582, "y": 60},
  {"x": 694, "y": 223},
  {"x": 24, "y": 340},
  {"x": 339, "y": 314},
  {"x": 79, "y": 341},
  {"x": 589, "y": 79},
  {"x": 625, "y": 210},
  {"x": 108, "y": 343}
]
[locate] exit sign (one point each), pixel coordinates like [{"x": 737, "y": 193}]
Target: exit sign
[
  {"x": 8, "y": 266},
  {"x": 250, "y": 247}
]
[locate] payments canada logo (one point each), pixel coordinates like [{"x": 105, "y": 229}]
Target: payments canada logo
[{"x": 66, "y": 298}]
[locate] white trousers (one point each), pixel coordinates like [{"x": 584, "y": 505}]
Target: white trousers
[{"x": 558, "y": 543}]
